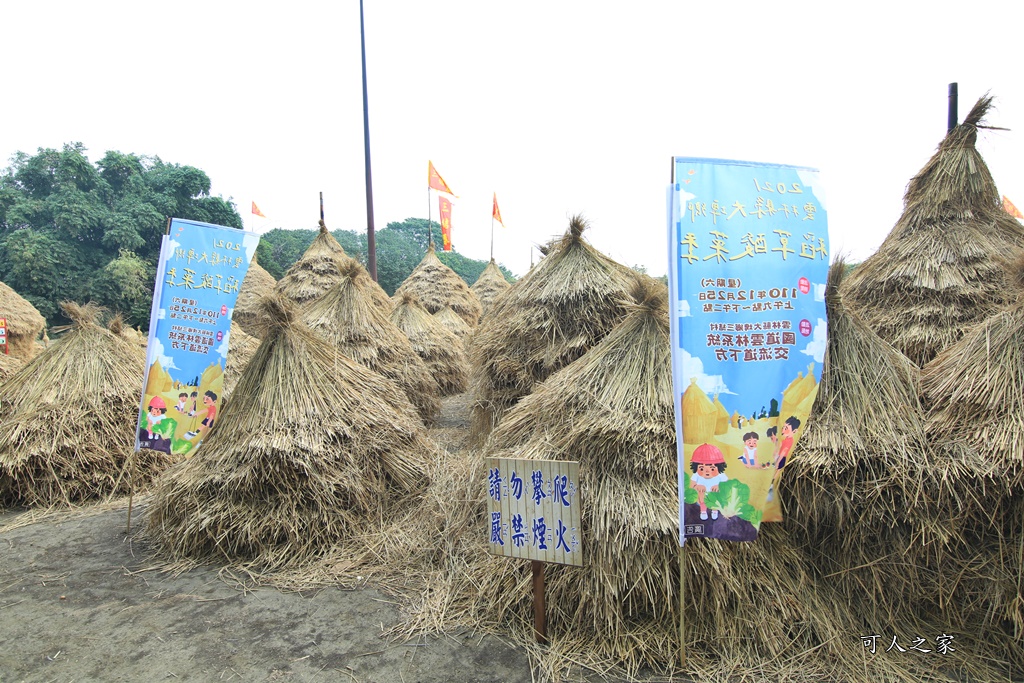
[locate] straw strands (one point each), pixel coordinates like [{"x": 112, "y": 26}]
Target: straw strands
[
  {"x": 241, "y": 348},
  {"x": 320, "y": 268},
  {"x": 311, "y": 448},
  {"x": 489, "y": 285},
  {"x": 936, "y": 274},
  {"x": 69, "y": 416},
  {"x": 436, "y": 286},
  {"x": 451, "y": 321},
  {"x": 441, "y": 351},
  {"x": 24, "y": 323},
  {"x": 349, "y": 322},
  {"x": 257, "y": 284},
  {"x": 547, "y": 319},
  {"x": 9, "y": 365}
]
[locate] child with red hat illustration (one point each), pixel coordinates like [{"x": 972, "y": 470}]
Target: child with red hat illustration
[
  {"x": 156, "y": 411},
  {"x": 708, "y": 466}
]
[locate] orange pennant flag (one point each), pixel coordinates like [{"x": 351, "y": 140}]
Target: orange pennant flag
[
  {"x": 495, "y": 213},
  {"x": 435, "y": 180},
  {"x": 446, "y": 223},
  {"x": 256, "y": 210},
  {"x": 1009, "y": 208}
]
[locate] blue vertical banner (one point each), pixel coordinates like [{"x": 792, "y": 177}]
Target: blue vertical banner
[
  {"x": 748, "y": 261},
  {"x": 200, "y": 271}
]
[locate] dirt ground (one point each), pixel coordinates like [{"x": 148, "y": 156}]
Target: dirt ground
[{"x": 83, "y": 600}]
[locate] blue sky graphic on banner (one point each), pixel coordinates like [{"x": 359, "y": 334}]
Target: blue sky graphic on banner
[
  {"x": 748, "y": 261},
  {"x": 201, "y": 269}
]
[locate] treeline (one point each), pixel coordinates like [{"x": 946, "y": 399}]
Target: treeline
[
  {"x": 400, "y": 248},
  {"x": 74, "y": 230}
]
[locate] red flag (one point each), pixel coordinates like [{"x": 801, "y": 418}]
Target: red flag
[
  {"x": 446, "y": 223},
  {"x": 256, "y": 210},
  {"x": 495, "y": 213},
  {"x": 435, "y": 180},
  {"x": 1009, "y": 208}
]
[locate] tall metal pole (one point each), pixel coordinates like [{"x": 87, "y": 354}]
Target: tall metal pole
[
  {"x": 951, "y": 119},
  {"x": 371, "y": 240}
]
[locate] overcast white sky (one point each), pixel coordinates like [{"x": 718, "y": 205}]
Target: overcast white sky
[{"x": 559, "y": 107}]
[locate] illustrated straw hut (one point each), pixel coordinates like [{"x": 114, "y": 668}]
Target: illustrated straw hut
[
  {"x": 453, "y": 323},
  {"x": 441, "y": 351},
  {"x": 24, "y": 323},
  {"x": 436, "y": 286},
  {"x": 67, "y": 432},
  {"x": 362, "y": 332},
  {"x": 257, "y": 284},
  {"x": 490, "y": 284},
  {"x": 547, "y": 319},
  {"x": 311, "y": 447},
  {"x": 320, "y": 268},
  {"x": 750, "y": 607},
  {"x": 936, "y": 274}
]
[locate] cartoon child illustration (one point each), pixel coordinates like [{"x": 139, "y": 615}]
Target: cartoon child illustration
[
  {"x": 182, "y": 399},
  {"x": 783, "y": 450},
  {"x": 195, "y": 404},
  {"x": 156, "y": 412},
  {"x": 749, "y": 457},
  {"x": 708, "y": 465},
  {"x": 210, "y": 401}
]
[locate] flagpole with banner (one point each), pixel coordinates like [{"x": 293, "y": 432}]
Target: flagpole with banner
[
  {"x": 445, "y": 210},
  {"x": 496, "y": 214},
  {"x": 435, "y": 181}
]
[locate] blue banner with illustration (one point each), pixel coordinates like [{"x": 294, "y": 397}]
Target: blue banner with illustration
[
  {"x": 748, "y": 261},
  {"x": 201, "y": 269}
]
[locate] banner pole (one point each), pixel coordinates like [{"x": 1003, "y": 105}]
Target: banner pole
[
  {"x": 682, "y": 605},
  {"x": 539, "y": 619},
  {"x": 492, "y": 235},
  {"x": 430, "y": 225}
]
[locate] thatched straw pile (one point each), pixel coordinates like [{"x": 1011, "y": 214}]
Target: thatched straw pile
[
  {"x": 355, "y": 327},
  {"x": 751, "y": 608},
  {"x": 312, "y": 447},
  {"x": 547, "y": 319},
  {"x": 67, "y": 432},
  {"x": 441, "y": 351},
  {"x": 241, "y": 348},
  {"x": 936, "y": 274},
  {"x": 257, "y": 284},
  {"x": 8, "y": 366},
  {"x": 451, "y": 321},
  {"x": 436, "y": 286},
  {"x": 24, "y": 323},
  {"x": 490, "y": 284},
  {"x": 320, "y": 268}
]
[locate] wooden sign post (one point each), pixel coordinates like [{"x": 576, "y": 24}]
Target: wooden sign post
[{"x": 534, "y": 511}]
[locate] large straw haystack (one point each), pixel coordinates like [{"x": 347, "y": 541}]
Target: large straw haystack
[
  {"x": 441, "y": 350},
  {"x": 436, "y": 286},
  {"x": 489, "y": 285},
  {"x": 546, "y": 320},
  {"x": 451, "y": 321},
  {"x": 257, "y": 284},
  {"x": 24, "y": 323},
  {"x": 311, "y": 447},
  {"x": 749, "y": 606},
  {"x": 67, "y": 432},
  {"x": 320, "y": 268},
  {"x": 355, "y": 327},
  {"x": 241, "y": 348},
  {"x": 936, "y": 274}
]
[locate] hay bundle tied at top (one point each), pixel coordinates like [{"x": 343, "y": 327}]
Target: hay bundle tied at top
[
  {"x": 257, "y": 284},
  {"x": 355, "y": 327},
  {"x": 937, "y": 273},
  {"x": 67, "y": 419},
  {"x": 241, "y": 348},
  {"x": 436, "y": 286},
  {"x": 489, "y": 285},
  {"x": 24, "y": 323},
  {"x": 311, "y": 448},
  {"x": 453, "y": 323},
  {"x": 320, "y": 268},
  {"x": 612, "y": 411},
  {"x": 547, "y": 319},
  {"x": 441, "y": 351}
]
